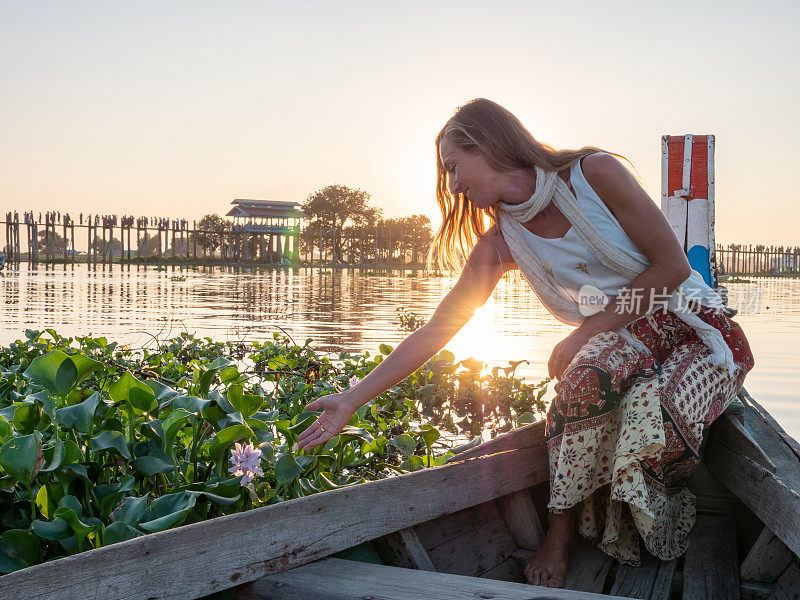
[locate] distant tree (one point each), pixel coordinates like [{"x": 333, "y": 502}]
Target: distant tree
[
  {"x": 111, "y": 247},
  {"x": 55, "y": 239},
  {"x": 211, "y": 230},
  {"x": 148, "y": 245},
  {"x": 405, "y": 235},
  {"x": 333, "y": 208}
]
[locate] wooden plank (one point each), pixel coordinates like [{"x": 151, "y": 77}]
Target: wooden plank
[
  {"x": 767, "y": 559},
  {"x": 587, "y": 567},
  {"x": 768, "y": 497},
  {"x": 522, "y": 519},
  {"x": 249, "y": 545},
  {"x": 508, "y": 570},
  {"x": 788, "y": 585},
  {"x": 731, "y": 432},
  {"x": 524, "y": 437},
  {"x": 335, "y": 579},
  {"x": 481, "y": 541},
  {"x": 751, "y": 590},
  {"x": 710, "y": 568},
  {"x": 793, "y": 444},
  {"x": 712, "y": 496},
  {"x": 651, "y": 581},
  {"x": 403, "y": 549}
]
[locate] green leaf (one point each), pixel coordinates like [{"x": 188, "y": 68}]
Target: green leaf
[
  {"x": 57, "y": 529},
  {"x": 172, "y": 425},
  {"x": 131, "y": 510},
  {"x": 429, "y": 435},
  {"x": 27, "y": 417},
  {"x": 80, "y": 416},
  {"x": 119, "y": 532},
  {"x": 376, "y": 446},
  {"x": 80, "y": 527},
  {"x": 72, "y": 453},
  {"x": 53, "y": 455},
  {"x": 525, "y": 418},
  {"x": 47, "y": 499},
  {"x": 207, "y": 374},
  {"x": 247, "y": 404},
  {"x": 18, "y": 456},
  {"x": 226, "y": 438},
  {"x": 152, "y": 465},
  {"x": 385, "y": 349},
  {"x": 46, "y": 400},
  {"x": 229, "y": 374},
  {"x": 162, "y": 392},
  {"x": 18, "y": 549},
  {"x": 59, "y": 372},
  {"x": 214, "y": 498},
  {"x": 404, "y": 443},
  {"x": 446, "y": 356},
  {"x": 133, "y": 392},
  {"x": 66, "y": 376},
  {"x": 5, "y": 428},
  {"x": 111, "y": 440},
  {"x": 286, "y": 469},
  {"x": 191, "y": 403},
  {"x": 71, "y": 502},
  {"x": 167, "y": 511}
]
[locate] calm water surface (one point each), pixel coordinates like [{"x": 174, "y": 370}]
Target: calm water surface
[{"x": 345, "y": 310}]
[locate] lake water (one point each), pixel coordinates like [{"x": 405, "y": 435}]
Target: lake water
[{"x": 345, "y": 310}]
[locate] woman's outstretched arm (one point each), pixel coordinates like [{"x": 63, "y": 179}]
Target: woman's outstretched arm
[{"x": 487, "y": 262}]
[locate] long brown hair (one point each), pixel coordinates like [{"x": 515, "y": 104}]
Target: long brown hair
[{"x": 486, "y": 127}]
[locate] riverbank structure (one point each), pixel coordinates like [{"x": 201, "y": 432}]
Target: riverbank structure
[{"x": 273, "y": 224}]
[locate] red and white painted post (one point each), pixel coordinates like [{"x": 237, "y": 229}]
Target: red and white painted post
[{"x": 687, "y": 198}]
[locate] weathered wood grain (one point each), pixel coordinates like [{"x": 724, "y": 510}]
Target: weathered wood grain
[
  {"x": 522, "y": 519},
  {"x": 792, "y": 443},
  {"x": 403, "y": 549},
  {"x": 767, "y": 558},
  {"x": 481, "y": 541},
  {"x": 712, "y": 496},
  {"x": 334, "y": 579},
  {"x": 587, "y": 568},
  {"x": 788, "y": 585},
  {"x": 763, "y": 492},
  {"x": 524, "y": 437},
  {"x": 213, "y": 555},
  {"x": 710, "y": 568},
  {"x": 508, "y": 570},
  {"x": 651, "y": 581},
  {"x": 731, "y": 432}
]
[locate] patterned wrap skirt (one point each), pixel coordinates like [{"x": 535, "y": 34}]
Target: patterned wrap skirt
[{"x": 624, "y": 431}]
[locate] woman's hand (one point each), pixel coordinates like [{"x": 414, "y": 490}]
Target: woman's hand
[
  {"x": 337, "y": 410},
  {"x": 564, "y": 351}
]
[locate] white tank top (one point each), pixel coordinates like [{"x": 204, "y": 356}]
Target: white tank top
[{"x": 576, "y": 271}]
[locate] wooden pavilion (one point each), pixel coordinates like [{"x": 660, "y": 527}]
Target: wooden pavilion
[{"x": 275, "y": 225}]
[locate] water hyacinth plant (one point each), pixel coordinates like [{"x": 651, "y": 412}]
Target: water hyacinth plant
[{"x": 101, "y": 443}]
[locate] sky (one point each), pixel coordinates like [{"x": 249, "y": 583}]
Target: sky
[{"x": 175, "y": 108}]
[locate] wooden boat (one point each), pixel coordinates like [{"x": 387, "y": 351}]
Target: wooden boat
[
  {"x": 466, "y": 529},
  {"x": 463, "y": 530}
]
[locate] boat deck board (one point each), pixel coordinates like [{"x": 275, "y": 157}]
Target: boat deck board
[
  {"x": 336, "y": 579},
  {"x": 651, "y": 581},
  {"x": 710, "y": 568}
]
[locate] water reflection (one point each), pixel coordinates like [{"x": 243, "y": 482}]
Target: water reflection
[{"x": 344, "y": 310}]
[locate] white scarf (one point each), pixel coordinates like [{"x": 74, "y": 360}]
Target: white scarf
[{"x": 549, "y": 186}]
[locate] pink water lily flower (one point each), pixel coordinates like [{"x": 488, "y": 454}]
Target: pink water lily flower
[{"x": 245, "y": 462}]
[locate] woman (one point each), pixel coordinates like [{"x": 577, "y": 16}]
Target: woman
[{"x": 643, "y": 372}]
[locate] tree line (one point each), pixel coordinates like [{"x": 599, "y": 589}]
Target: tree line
[{"x": 338, "y": 219}]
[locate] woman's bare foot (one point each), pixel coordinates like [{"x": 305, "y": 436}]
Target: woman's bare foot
[{"x": 549, "y": 564}]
